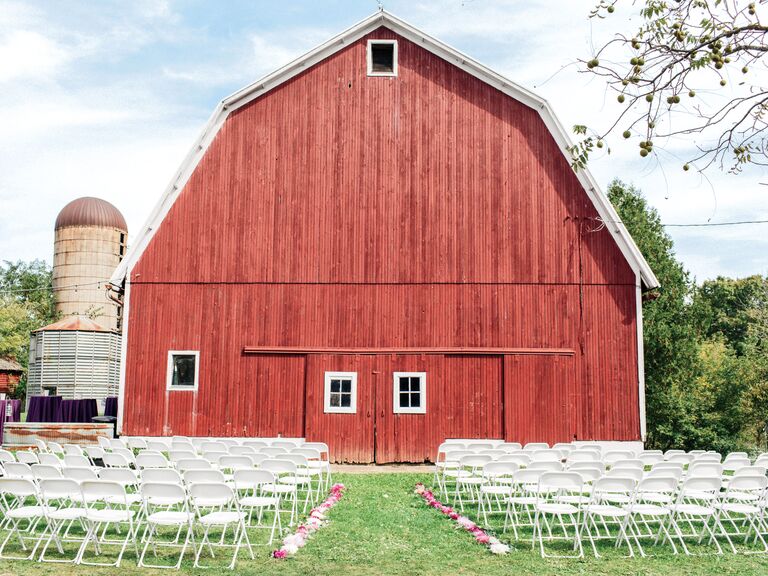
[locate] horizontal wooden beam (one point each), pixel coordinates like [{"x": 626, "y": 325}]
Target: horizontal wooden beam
[{"x": 411, "y": 351}]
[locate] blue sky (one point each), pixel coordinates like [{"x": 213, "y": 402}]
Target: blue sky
[{"x": 104, "y": 98}]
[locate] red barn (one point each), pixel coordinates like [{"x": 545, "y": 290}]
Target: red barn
[
  {"x": 379, "y": 246},
  {"x": 10, "y": 374}
]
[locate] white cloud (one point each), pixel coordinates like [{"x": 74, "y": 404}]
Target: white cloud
[{"x": 25, "y": 54}]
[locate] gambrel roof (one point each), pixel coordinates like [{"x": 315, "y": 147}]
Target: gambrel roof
[{"x": 382, "y": 18}]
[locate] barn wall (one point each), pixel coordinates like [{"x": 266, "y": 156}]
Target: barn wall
[
  {"x": 433, "y": 176},
  {"x": 427, "y": 210}
]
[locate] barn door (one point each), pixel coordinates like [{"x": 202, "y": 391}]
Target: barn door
[
  {"x": 542, "y": 401},
  {"x": 464, "y": 399},
  {"x": 340, "y": 397}
]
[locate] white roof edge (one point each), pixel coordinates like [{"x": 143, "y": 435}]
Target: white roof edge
[{"x": 240, "y": 98}]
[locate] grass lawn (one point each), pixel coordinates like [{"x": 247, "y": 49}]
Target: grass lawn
[{"x": 381, "y": 527}]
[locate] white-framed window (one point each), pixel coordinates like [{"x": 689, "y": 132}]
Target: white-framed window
[
  {"x": 340, "y": 393},
  {"x": 410, "y": 393},
  {"x": 183, "y": 370},
  {"x": 382, "y": 57}
]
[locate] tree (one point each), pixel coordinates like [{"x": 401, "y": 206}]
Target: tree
[
  {"x": 669, "y": 340},
  {"x": 730, "y": 307},
  {"x": 688, "y": 70},
  {"x": 26, "y": 303}
]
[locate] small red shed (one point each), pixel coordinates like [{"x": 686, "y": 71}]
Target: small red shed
[
  {"x": 10, "y": 374},
  {"x": 379, "y": 246}
]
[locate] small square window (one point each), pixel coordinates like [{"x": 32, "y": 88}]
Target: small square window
[
  {"x": 183, "y": 370},
  {"x": 340, "y": 392},
  {"x": 410, "y": 393},
  {"x": 382, "y": 57}
]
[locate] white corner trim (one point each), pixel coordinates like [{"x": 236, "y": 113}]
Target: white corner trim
[
  {"x": 640, "y": 359},
  {"x": 242, "y": 97},
  {"x": 352, "y": 408},
  {"x": 369, "y": 57},
  {"x": 169, "y": 373},
  {"x": 123, "y": 357},
  {"x": 396, "y": 409}
]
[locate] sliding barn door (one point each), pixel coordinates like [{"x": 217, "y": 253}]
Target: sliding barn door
[{"x": 343, "y": 415}]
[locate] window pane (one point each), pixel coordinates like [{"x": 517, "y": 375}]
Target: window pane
[
  {"x": 183, "y": 370},
  {"x": 403, "y": 384},
  {"x": 415, "y": 384},
  {"x": 335, "y": 385},
  {"x": 335, "y": 402},
  {"x": 404, "y": 400},
  {"x": 346, "y": 386},
  {"x": 346, "y": 400},
  {"x": 415, "y": 400}
]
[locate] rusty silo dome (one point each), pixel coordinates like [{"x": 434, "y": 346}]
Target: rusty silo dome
[{"x": 89, "y": 211}]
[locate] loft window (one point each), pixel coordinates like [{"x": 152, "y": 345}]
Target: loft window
[
  {"x": 183, "y": 369},
  {"x": 340, "y": 393},
  {"x": 382, "y": 57},
  {"x": 122, "y": 245},
  {"x": 410, "y": 393}
]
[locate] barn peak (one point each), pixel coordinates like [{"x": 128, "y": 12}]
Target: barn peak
[{"x": 382, "y": 18}]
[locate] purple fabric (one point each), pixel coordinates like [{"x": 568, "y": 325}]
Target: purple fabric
[
  {"x": 110, "y": 406},
  {"x": 43, "y": 408},
  {"x": 15, "y": 415},
  {"x": 77, "y": 410}
]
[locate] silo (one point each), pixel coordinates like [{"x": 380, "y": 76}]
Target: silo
[{"x": 90, "y": 240}]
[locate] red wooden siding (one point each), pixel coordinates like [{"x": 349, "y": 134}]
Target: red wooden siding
[
  {"x": 8, "y": 381},
  {"x": 424, "y": 211}
]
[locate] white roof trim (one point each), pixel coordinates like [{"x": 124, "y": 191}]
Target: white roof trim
[{"x": 244, "y": 96}]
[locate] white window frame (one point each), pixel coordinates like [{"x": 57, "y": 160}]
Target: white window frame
[
  {"x": 422, "y": 409},
  {"x": 352, "y": 408},
  {"x": 369, "y": 57},
  {"x": 169, "y": 373}
]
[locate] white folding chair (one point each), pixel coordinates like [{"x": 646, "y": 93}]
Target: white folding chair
[
  {"x": 165, "y": 505},
  {"x": 161, "y": 475},
  {"x": 117, "y": 444},
  {"x": 63, "y": 506},
  {"x": 6, "y": 456},
  {"x": 694, "y": 509},
  {"x": 651, "y": 508},
  {"x": 535, "y": 446},
  {"x": 79, "y": 474},
  {"x": 468, "y": 483},
  {"x": 95, "y": 453},
  {"x": 44, "y": 471},
  {"x": 216, "y": 506},
  {"x": 498, "y": 478},
  {"x": 158, "y": 446},
  {"x": 325, "y": 459},
  {"x": 115, "y": 460},
  {"x": 546, "y": 466},
  {"x": 98, "y": 519},
  {"x": 18, "y": 470},
  {"x": 522, "y": 503},
  {"x": 50, "y": 460},
  {"x": 104, "y": 444},
  {"x": 255, "y": 444},
  {"x": 602, "y": 512},
  {"x": 553, "y": 486},
  {"x": 76, "y": 461},
  {"x": 22, "y": 513},
  {"x": 249, "y": 485},
  {"x": 546, "y": 455},
  {"x": 273, "y": 452},
  {"x": 149, "y": 459},
  {"x": 136, "y": 443},
  {"x": 193, "y": 464},
  {"x": 41, "y": 446},
  {"x": 203, "y": 477},
  {"x": 282, "y": 490},
  {"x": 73, "y": 450},
  {"x": 55, "y": 448},
  {"x": 510, "y": 446},
  {"x": 27, "y": 457},
  {"x": 740, "y": 513},
  {"x": 287, "y": 444}
]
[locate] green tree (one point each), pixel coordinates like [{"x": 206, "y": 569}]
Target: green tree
[
  {"x": 26, "y": 303},
  {"x": 730, "y": 307},
  {"x": 669, "y": 340}
]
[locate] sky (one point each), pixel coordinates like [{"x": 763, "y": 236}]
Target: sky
[{"x": 105, "y": 98}]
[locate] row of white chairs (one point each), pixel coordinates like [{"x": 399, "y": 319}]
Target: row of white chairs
[{"x": 512, "y": 488}]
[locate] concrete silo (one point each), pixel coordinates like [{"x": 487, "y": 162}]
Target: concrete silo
[{"x": 90, "y": 241}]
